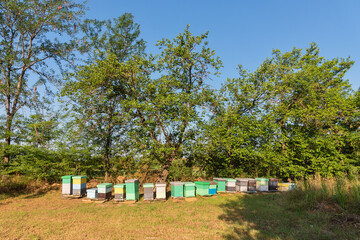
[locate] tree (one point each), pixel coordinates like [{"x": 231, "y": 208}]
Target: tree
[
  {"x": 98, "y": 88},
  {"x": 167, "y": 109},
  {"x": 294, "y": 116},
  {"x": 27, "y": 43}
]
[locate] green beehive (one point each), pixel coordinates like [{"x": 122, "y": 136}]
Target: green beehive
[
  {"x": 202, "y": 188},
  {"x": 67, "y": 185},
  {"x": 177, "y": 189},
  {"x": 189, "y": 189},
  {"x": 221, "y": 184},
  {"x": 132, "y": 189}
]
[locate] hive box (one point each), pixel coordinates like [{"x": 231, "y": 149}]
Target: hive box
[
  {"x": 189, "y": 189},
  {"x": 202, "y": 188},
  {"x": 120, "y": 192},
  {"x": 262, "y": 184},
  {"x": 160, "y": 190},
  {"x": 283, "y": 187},
  {"x": 292, "y": 186},
  {"x": 221, "y": 184},
  {"x": 273, "y": 184},
  {"x": 242, "y": 184},
  {"x": 104, "y": 191},
  {"x": 148, "y": 191},
  {"x": 212, "y": 188},
  {"x": 92, "y": 193},
  {"x": 79, "y": 185},
  {"x": 252, "y": 185},
  {"x": 230, "y": 185},
  {"x": 132, "y": 189},
  {"x": 177, "y": 189},
  {"x": 67, "y": 184}
]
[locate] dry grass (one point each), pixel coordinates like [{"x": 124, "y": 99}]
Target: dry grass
[
  {"x": 228, "y": 216},
  {"x": 315, "y": 193}
]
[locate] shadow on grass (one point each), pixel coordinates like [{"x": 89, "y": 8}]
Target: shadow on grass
[
  {"x": 27, "y": 192},
  {"x": 267, "y": 216}
]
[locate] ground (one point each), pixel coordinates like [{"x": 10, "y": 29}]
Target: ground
[{"x": 226, "y": 216}]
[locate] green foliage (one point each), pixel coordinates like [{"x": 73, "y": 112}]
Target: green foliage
[
  {"x": 289, "y": 118},
  {"x": 128, "y": 112}
]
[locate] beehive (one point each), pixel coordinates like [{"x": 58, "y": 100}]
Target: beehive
[
  {"x": 79, "y": 185},
  {"x": 148, "y": 191},
  {"x": 67, "y": 184},
  {"x": 230, "y": 185},
  {"x": 283, "y": 187},
  {"x": 189, "y": 189},
  {"x": 212, "y": 188},
  {"x": 92, "y": 193},
  {"x": 132, "y": 189},
  {"x": 120, "y": 192},
  {"x": 251, "y": 185},
  {"x": 177, "y": 189},
  {"x": 160, "y": 190},
  {"x": 292, "y": 186},
  {"x": 273, "y": 184},
  {"x": 242, "y": 184},
  {"x": 221, "y": 184},
  {"x": 262, "y": 184},
  {"x": 202, "y": 188},
  {"x": 104, "y": 191}
]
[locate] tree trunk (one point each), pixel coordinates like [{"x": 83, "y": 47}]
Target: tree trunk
[
  {"x": 107, "y": 166},
  {"x": 7, "y": 139},
  {"x": 164, "y": 173}
]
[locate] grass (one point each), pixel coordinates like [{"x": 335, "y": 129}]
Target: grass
[
  {"x": 343, "y": 193},
  {"x": 227, "y": 216}
]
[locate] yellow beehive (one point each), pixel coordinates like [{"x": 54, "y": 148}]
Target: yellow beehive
[
  {"x": 79, "y": 181},
  {"x": 119, "y": 190},
  {"x": 283, "y": 187}
]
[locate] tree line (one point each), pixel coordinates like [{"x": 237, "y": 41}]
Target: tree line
[{"x": 84, "y": 96}]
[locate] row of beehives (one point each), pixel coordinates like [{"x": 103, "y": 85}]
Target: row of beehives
[{"x": 130, "y": 189}]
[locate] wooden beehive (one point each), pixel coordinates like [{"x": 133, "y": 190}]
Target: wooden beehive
[
  {"x": 92, "y": 193},
  {"x": 160, "y": 190},
  {"x": 148, "y": 191},
  {"x": 177, "y": 189},
  {"x": 132, "y": 189},
  {"x": 79, "y": 185},
  {"x": 262, "y": 184},
  {"x": 221, "y": 184},
  {"x": 104, "y": 191},
  {"x": 189, "y": 189},
  {"x": 120, "y": 192},
  {"x": 67, "y": 185}
]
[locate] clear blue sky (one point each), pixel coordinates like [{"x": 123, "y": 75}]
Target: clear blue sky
[{"x": 245, "y": 32}]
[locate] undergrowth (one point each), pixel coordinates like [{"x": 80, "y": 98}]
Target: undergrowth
[{"x": 341, "y": 192}]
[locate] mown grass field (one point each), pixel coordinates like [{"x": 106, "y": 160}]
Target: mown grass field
[{"x": 227, "y": 216}]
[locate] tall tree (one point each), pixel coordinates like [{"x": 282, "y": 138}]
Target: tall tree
[
  {"x": 290, "y": 117},
  {"x": 97, "y": 88},
  {"x": 27, "y": 42},
  {"x": 168, "y": 109}
]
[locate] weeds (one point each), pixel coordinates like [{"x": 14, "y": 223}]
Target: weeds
[{"x": 312, "y": 193}]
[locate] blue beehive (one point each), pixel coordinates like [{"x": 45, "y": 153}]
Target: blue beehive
[{"x": 92, "y": 193}]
